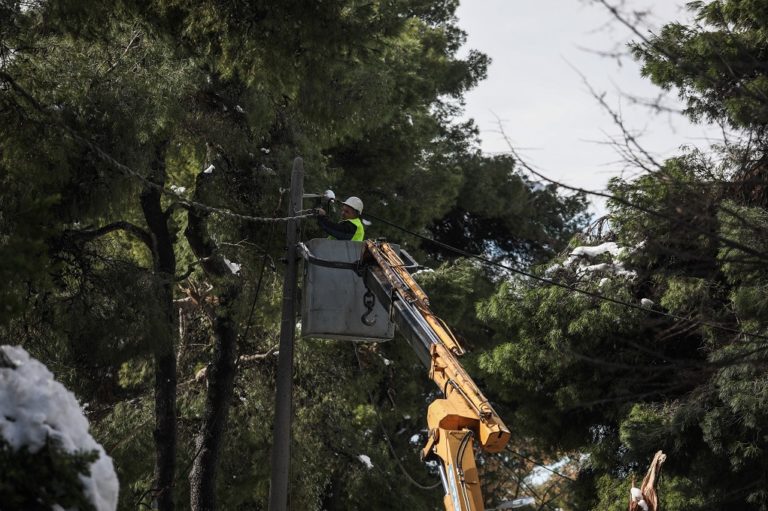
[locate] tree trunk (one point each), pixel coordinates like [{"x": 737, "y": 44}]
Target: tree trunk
[
  {"x": 221, "y": 371},
  {"x": 165, "y": 359},
  {"x": 221, "y": 376}
]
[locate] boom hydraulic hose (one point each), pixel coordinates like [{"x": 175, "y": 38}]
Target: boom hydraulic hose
[{"x": 464, "y": 413}]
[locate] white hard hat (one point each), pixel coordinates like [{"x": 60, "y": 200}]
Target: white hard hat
[{"x": 354, "y": 203}]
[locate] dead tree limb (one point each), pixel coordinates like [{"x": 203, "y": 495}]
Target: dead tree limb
[{"x": 645, "y": 497}]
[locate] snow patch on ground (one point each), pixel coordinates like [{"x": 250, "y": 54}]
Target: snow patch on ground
[{"x": 34, "y": 407}]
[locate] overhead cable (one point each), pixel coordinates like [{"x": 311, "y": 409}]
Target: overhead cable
[
  {"x": 551, "y": 282},
  {"x": 125, "y": 169}
]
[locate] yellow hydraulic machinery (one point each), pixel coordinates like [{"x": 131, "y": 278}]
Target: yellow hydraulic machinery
[{"x": 387, "y": 291}]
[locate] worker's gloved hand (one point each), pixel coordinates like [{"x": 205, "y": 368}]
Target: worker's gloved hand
[{"x": 320, "y": 212}]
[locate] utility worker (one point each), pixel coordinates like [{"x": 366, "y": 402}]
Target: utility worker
[{"x": 350, "y": 227}]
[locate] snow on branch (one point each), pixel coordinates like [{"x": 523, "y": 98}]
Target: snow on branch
[
  {"x": 36, "y": 409},
  {"x": 605, "y": 259}
]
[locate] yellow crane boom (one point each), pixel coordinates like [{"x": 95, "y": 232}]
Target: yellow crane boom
[{"x": 464, "y": 413}]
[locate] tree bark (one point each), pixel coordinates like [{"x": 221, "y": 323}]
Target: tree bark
[
  {"x": 221, "y": 371},
  {"x": 165, "y": 360},
  {"x": 221, "y": 376}
]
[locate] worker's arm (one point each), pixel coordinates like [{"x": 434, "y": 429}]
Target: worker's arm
[{"x": 340, "y": 230}]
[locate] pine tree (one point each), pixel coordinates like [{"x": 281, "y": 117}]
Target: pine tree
[{"x": 124, "y": 125}]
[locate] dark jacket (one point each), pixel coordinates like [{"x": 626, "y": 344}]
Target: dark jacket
[{"x": 343, "y": 230}]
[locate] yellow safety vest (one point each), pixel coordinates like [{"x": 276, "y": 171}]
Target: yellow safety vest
[{"x": 359, "y": 230}]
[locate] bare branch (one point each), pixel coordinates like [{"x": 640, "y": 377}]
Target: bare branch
[
  {"x": 190, "y": 270},
  {"x": 674, "y": 220},
  {"x": 242, "y": 361},
  {"x": 676, "y": 59},
  {"x": 128, "y": 227},
  {"x": 134, "y": 37},
  {"x": 247, "y": 360},
  {"x": 630, "y": 139},
  {"x": 174, "y": 206}
]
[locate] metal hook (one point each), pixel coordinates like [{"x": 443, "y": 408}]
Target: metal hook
[
  {"x": 368, "y": 300},
  {"x": 368, "y": 321}
]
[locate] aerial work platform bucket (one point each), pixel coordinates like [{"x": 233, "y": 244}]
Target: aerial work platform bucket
[{"x": 332, "y": 305}]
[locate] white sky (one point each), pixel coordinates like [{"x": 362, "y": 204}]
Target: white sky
[{"x": 547, "y": 111}]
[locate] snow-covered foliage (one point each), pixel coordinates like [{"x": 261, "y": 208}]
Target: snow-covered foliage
[
  {"x": 422, "y": 270},
  {"x": 35, "y": 409},
  {"x": 365, "y": 460},
  {"x": 233, "y": 267},
  {"x": 604, "y": 259}
]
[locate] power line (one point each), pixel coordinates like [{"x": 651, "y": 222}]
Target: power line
[
  {"x": 307, "y": 213},
  {"x": 102, "y": 154},
  {"x": 244, "y": 337},
  {"x": 537, "y": 463},
  {"x": 125, "y": 169},
  {"x": 551, "y": 282},
  {"x": 397, "y": 458},
  {"x": 408, "y": 476},
  {"x": 673, "y": 220}
]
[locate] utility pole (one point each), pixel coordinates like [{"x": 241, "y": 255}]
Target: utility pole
[{"x": 281, "y": 446}]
